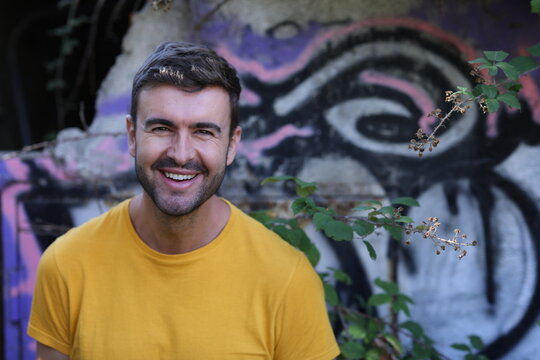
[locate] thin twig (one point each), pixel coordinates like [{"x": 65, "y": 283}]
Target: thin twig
[{"x": 51, "y": 143}]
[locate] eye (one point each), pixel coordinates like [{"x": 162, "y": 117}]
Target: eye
[
  {"x": 204, "y": 132},
  {"x": 160, "y": 129}
]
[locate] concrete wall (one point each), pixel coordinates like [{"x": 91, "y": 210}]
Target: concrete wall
[{"x": 333, "y": 91}]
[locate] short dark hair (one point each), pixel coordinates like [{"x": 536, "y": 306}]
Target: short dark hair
[{"x": 189, "y": 67}]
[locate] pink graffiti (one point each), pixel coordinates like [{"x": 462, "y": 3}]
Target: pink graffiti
[
  {"x": 421, "y": 98},
  {"x": 252, "y": 149},
  {"x": 108, "y": 148},
  {"x": 491, "y": 124},
  {"x": 16, "y": 219},
  {"x": 253, "y": 67},
  {"x": 52, "y": 168},
  {"x": 531, "y": 93},
  {"x": 17, "y": 169},
  {"x": 249, "y": 97}
]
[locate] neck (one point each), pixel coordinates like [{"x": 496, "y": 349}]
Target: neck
[{"x": 178, "y": 234}]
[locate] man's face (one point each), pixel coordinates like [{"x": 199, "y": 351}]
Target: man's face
[{"x": 181, "y": 144}]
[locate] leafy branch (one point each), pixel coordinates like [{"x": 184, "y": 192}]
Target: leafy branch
[
  {"x": 364, "y": 335},
  {"x": 503, "y": 88}
]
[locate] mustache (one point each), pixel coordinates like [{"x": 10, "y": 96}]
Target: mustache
[{"x": 168, "y": 162}]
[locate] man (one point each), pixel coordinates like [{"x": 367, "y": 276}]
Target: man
[{"x": 178, "y": 272}]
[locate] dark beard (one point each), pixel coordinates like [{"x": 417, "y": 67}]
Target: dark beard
[{"x": 175, "y": 210}]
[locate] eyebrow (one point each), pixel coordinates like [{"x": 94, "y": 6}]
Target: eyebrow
[
  {"x": 158, "y": 121},
  {"x": 169, "y": 123},
  {"x": 206, "y": 125}
]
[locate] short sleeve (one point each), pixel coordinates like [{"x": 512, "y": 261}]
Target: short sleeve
[
  {"x": 49, "y": 318},
  {"x": 303, "y": 328}
]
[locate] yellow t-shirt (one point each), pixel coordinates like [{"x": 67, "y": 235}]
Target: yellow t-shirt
[{"x": 102, "y": 293}]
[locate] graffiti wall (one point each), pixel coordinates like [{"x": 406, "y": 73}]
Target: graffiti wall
[{"x": 333, "y": 93}]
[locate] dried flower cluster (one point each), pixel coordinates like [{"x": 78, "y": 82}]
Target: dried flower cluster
[
  {"x": 477, "y": 75},
  {"x": 163, "y": 5},
  {"x": 429, "y": 231},
  {"x": 424, "y": 141}
]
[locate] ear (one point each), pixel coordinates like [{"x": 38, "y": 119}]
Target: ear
[
  {"x": 233, "y": 145},
  {"x": 130, "y": 127}
]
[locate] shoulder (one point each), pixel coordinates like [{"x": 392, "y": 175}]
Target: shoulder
[
  {"x": 259, "y": 235},
  {"x": 90, "y": 236},
  {"x": 266, "y": 249}
]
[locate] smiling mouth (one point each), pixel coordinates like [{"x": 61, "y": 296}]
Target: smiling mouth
[{"x": 178, "y": 177}]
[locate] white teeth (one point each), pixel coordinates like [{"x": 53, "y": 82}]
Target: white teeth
[{"x": 178, "y": 176}]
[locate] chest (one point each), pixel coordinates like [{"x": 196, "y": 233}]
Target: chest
[{"x": 185, "y": 313}]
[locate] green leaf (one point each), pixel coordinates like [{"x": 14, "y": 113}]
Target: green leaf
[
  {"x": 492, "y": 105},
  {"x": 371, "y": 250},
  {"x": 523, "y": 64},
  {"x": 340, "y": 275},
  {"x": 274, "y": 179},
  {"x": 461, "y": 347},
  {"x": 379, "y": 299},
  {"x": 320, "y": 220},
  {"x": 389, "y": 210},
  {"x": 293, "y": 237},
  {"x": 405, "y": 298},
  {"x": 408, "y": 201},
  {"x": 362, "y": 227},
  {"x": 510, "y": 100},
  {"x": 302, "y": 204},
  {"x": 398, "y": 306},
  {"x": 313, "y": 255},
  {"x": 414, "y": 328},
  {"x": 509, "y": 70},
  {"x": 304, "y": 188},
  {"x": 404, "y": 219},
  {"x": 262, "y": 217},
  {"x": 330, "y": 294},
  {"x": 388, "y": 286},
  {"x": 373, "y": 354},
  {"x": 352, "y": 350},
  {"x": 371, "y": 202},
  {"x": 479, "y": 61},
  {"x": 476, "y": 342},
  {"x": 395, "y": 232},
  {"x": 496, "y": 55},
  {"x": 535, "y": 6},
  {"x": 357, "y": 331},
  {"x": 338, "y": 230},
  {"x": 490, "y": 91},
  {"x": 534, "y": 50},
  {"x": 477, "y": 90},
  {"x": 304, "y": 243},
  {"x": 513, "y": 86},
  {"x": 374, "y": 327},
  {"x": 392, "y": 340}
]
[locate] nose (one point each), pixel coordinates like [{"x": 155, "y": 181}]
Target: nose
[{"x": 181, "y": 149}]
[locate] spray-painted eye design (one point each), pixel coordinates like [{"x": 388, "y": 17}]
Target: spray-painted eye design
[{"x": 393, "y": 88}]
